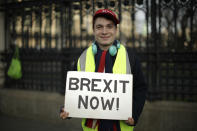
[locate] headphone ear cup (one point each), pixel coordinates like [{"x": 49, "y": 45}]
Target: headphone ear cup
[
  {"x": 94, "y": 49},
  {"x": 112, "y": 50},
  {"x": 118, "y": 45}
]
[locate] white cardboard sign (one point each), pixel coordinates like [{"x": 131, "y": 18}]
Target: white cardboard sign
[{"x": 99, "y": 95}]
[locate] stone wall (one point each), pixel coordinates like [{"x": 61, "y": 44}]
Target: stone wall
[{"x": 156, "y": 116}]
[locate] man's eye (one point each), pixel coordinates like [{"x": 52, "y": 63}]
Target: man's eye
[
  {"x": 110, "y": 26},
  {"x": 98, "y": 27}
]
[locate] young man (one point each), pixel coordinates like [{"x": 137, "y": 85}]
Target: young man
[{"x": 107, "y": 55}]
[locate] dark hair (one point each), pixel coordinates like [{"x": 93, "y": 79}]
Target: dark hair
[{"x": 108, "y": 17}]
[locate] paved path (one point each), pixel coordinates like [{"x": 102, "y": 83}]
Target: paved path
[{"x": 9, "y": 123}]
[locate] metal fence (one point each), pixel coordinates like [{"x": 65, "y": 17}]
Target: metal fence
[{"x": 52, "y": 33}]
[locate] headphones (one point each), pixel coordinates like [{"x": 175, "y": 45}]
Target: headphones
[{"x": 112, "y": 49}]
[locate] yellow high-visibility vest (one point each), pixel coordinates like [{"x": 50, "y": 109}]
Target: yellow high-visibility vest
[{"x": 86, "y": 63}]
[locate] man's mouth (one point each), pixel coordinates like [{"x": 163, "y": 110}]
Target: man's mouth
[{"x": 106, "y": 37}]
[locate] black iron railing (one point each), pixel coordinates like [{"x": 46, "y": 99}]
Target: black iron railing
[{"x": 52, "y": 33}]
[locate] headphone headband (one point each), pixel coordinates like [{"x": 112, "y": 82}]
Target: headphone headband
[{"x": 112, "y": 49}]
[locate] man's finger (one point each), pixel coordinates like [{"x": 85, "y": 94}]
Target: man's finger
[
  {"x": 64, "y": 115},
  {"x": 131, "y": 121}
]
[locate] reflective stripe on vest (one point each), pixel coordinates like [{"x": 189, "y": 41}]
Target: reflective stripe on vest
[{"x": 86, "y": 62}]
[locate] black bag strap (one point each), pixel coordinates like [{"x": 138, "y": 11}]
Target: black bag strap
[{"x": 16, "y": 52}]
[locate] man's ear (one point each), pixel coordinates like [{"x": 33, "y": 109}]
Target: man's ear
[
  {"x": 116, "y": 30},
  {"x": 93, "y": 31}
]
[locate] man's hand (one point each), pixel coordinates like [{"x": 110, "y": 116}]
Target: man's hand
[
  {"x": 130, "y": 121},
  {"x": 63, "y": 114}
]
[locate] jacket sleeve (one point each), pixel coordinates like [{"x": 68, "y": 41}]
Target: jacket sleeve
[{"x": 139, "y": 89}]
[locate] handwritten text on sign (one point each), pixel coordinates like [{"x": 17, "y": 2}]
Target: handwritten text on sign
[{"x": 99, "y": 95}]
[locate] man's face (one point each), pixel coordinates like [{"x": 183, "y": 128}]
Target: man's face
[{"x": 104, "y": 32}]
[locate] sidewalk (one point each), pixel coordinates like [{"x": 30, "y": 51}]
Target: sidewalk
[{"x": 9, "y": 123}]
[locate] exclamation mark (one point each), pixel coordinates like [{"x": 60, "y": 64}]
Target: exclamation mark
[{"x": 117, "y": 103}]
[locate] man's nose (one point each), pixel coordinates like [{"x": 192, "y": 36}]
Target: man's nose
[{"x": 104, "y": 31}]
